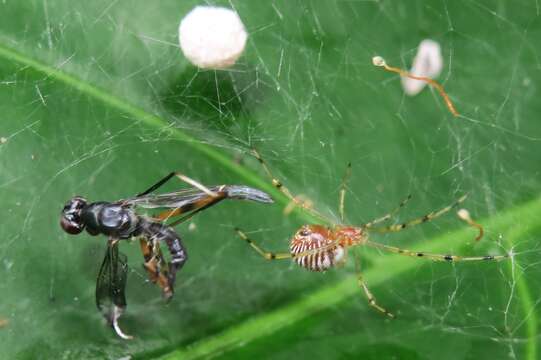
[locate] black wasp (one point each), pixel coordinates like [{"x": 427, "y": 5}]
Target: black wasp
[{"x": 119, "y": 220}]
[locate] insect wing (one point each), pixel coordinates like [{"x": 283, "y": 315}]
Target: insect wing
[
  {"x": 191, "y": 199},
  {"x": 177, "y": 199},
  {"x": 111, "y": 287}
]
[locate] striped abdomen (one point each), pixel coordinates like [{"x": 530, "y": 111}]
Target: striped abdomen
[{"x": 314, "y": 249}]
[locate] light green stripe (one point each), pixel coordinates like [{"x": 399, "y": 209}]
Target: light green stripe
[
  {"x": 268, "y": 323},
  {"x": 138, "y": 113},
  {"x": 149, "y": 119}
]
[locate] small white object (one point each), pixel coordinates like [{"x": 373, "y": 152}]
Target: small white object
[
  {"x": 428, "y": 63},
  {"x": 464, "y": 214},
  {"x": 212, "y": 37},
  {"x": 378, "y": 61}
]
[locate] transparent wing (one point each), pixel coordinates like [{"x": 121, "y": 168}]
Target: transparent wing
[
  {"x": 111, "y": 287},
  {"x": 191, "y": 199}
]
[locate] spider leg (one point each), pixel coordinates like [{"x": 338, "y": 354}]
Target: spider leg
[
  {"x": 435, "y": 257},
  {"x": 362, "y": 284},
  {"x": 388, "y": 215},
  {"x": 265, "y": 254},
  {"x": 428, "y": 217},
  {"x": 299, "y": 201},
  {"x": 342, "y": 194},
  {"x": 268, "y": 255}
]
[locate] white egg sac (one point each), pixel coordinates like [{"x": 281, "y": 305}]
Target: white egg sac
[{"x": 212, "y": 37}]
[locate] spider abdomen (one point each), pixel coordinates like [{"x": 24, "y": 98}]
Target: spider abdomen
[{"x": 321, "y": 259}]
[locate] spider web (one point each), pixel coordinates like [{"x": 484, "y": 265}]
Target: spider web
[{"x": 307, "y": 96}]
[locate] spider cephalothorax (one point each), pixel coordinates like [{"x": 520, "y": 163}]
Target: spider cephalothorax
[{"x": 71, "y": 220}]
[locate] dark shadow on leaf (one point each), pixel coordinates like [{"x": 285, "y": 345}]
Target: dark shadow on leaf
[{"x": 216, "y": 98}]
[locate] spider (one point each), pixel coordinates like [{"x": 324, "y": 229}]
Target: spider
[{"x": 318, "y": 248}]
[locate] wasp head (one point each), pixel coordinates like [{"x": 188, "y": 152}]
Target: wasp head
[{"x": 70, "y": 219}]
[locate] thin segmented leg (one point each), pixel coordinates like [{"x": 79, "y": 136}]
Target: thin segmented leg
[
  {"x": 362, "y": 284},
  {"x": 297, "y": 200},
  {"x": 156, "y": 267},
  {"x": 342, "y": 193},
  {"x": 182, "y": 177},
  {"x": 156, "y": 233},
  {"x": 388, "y": 215},
  {"x": 269, "y": 255},
  {"x": 435, "y": 257},
  {"x": 426, "y": 218},
  {"x": 157, "y": 185}
]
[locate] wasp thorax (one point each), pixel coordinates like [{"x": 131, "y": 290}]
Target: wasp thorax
[{"x": 315, "y": 248}]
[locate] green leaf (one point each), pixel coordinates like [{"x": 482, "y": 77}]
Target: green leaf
[
  {"x": 292, "y": 315},
  {"x": 98, "y": 100}
]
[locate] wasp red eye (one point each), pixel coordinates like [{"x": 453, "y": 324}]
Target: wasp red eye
[
  {"x": 70, "y": 220},
  {"x": 71, "y": 227}
]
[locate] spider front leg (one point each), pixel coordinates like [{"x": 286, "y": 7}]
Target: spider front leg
[
  {"x": 388, "y": 215},
  {"x": 267, "y": 255},
  {"x": 362, "y": 284},
  {"x": 297, "y": 200}
]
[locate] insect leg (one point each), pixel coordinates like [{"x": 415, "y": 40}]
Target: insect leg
[
  {"x": 182, "y": 177},
  {"x": 155, "y": 266},
  {"x": 157, "y": 185}
]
